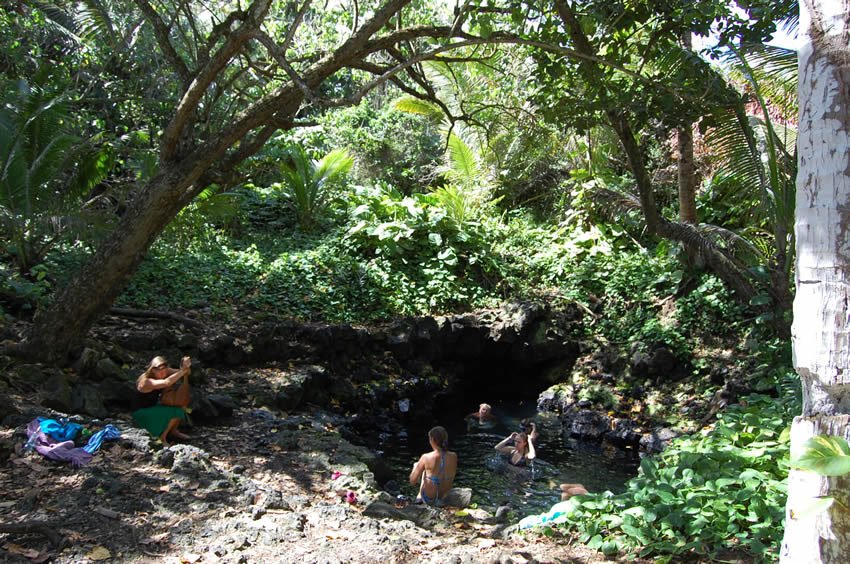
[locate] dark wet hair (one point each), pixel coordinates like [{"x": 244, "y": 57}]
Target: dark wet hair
[{"x": 440, "y": 437}]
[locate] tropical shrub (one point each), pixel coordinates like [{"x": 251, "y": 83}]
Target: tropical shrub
[
  {"x": 712, "y": 491},
  {"x": 45, "y": 174},
  {"x": 21, "y": 295},
  {"x": 306, "y": 182},
  {"x": 432, "y": 242},
  {"x": 388, "y": 146},
  {"x": 710, "y": 303},
  {"x": 210, "y": 211}
]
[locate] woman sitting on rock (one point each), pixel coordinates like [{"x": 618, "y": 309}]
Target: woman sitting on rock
[
  {"x": 163, "y": 397},
  {"x": 435, "y": 471}
]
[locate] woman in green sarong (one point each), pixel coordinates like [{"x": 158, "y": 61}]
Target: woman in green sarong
[{"x": 163, "y": 398}]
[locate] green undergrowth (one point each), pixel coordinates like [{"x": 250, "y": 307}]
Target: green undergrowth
[
  {"x": 719, "y": 491},
  {"x": 394, "y": 255},
  {"x": 379, "y": 254}
]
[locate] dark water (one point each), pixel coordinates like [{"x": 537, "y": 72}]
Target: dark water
[{"x": 493, "y": 482}]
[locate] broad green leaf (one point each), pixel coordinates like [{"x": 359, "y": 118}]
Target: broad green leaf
[
  {"x": 610, "y": 548},
  {"x": 634, "y": 511},
  {"x": 826, "y": 455}
]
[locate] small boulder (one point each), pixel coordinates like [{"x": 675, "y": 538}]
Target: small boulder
[
  {"x": 57, "y": 393},
  {"x": 457, "y": 497}
]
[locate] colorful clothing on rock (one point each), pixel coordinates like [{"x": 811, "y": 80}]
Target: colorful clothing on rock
[
  {"x": 107, "y": 433},
  {"x": 60, "y": 430},
  {"x": 66, "y": 450}
]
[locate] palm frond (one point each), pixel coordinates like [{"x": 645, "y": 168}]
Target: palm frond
[
  {"x": 743, "y": 248},
  {"x": 42, "y": 173},
  {"x": 412, "y": 105},
  {"x": 304, "y": 181},
  {"x": 58, "y": 20},
  {"x": 789, "y": 16},
  {"x": 95, "y": 23},
  {"x": 456, "y": 202},
  {"x": 733, "y": 140},
  {"x": 774, "y": 70},
  {"x": 332, "y": 165},
  {"x": 462, "y": 165},
  {"x": 612, "y": 203}
]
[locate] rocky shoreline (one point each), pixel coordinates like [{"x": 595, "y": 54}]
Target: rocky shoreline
[
  {"x": 272, "y": 472},
  {"x": 257, "y": 487},
  {"x": 407, "y": 370}
]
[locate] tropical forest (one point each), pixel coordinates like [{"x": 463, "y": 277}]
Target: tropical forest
[{"x": 497, "y": 281}]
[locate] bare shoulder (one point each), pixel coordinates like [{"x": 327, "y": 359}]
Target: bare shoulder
[{"x": 143, "y": 384}]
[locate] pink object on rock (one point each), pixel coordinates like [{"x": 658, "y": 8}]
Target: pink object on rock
[
  {"x": 351, "y": 497},
  {"x": 336, "y": 474}
]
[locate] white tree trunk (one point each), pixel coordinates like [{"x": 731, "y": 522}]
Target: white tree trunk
[{"x": 821, "y": 324}]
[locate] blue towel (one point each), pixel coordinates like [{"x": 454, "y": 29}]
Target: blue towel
[
  {"x": 60, "y": 431},
  {"x": 108, "y": 432}
]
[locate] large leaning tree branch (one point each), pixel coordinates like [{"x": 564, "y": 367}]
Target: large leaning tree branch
[
  {"x": 162, "y": 36},
  {"x": 207, "y": 74},
  {"x": 182, "y": 174}
]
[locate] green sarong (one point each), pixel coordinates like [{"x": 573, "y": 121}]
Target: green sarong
[{"x": 155, "y": 419}]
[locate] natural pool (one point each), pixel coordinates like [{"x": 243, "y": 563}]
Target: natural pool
[{"x": 494, "y": 483}]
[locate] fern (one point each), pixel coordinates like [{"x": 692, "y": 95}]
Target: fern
[
  {"x": 45, "y": 172},
  {"x": 305, "y": 182}
]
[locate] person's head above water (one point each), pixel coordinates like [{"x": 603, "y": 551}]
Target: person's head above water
[
  {"x": 521, "y": 442},
  {"x": 439, "y": 437}
]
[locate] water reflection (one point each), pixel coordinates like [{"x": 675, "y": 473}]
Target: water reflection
[{"x": 494, "y": 482}]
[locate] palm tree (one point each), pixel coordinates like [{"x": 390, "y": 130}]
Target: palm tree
[
  {"x": 305, "y": 182},
  {"x": 758, "y": 167},
  {"x": 45, "y": 172},
  {"x": 820, "y": 304},
  {"x": 469, "y": 182}
]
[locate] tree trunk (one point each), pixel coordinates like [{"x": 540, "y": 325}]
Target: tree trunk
[
  {"x": 821, "y": 325},
  {"x": 79, "y": 304},
  {"x": 687, "y": 177},
  {"x": 61, "y": 327}
]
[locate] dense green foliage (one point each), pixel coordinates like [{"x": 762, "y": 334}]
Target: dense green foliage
[
  {"x": 389, "y": 146},
  {"x": 45, "y": 173},
  {"x": 485, "y": 174},
  {"x": 723, "y": 489},
  {"x": 409, "y": 255}
]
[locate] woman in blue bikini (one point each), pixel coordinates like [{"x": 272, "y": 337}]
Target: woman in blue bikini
[{"x": 435, "y": 471}]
